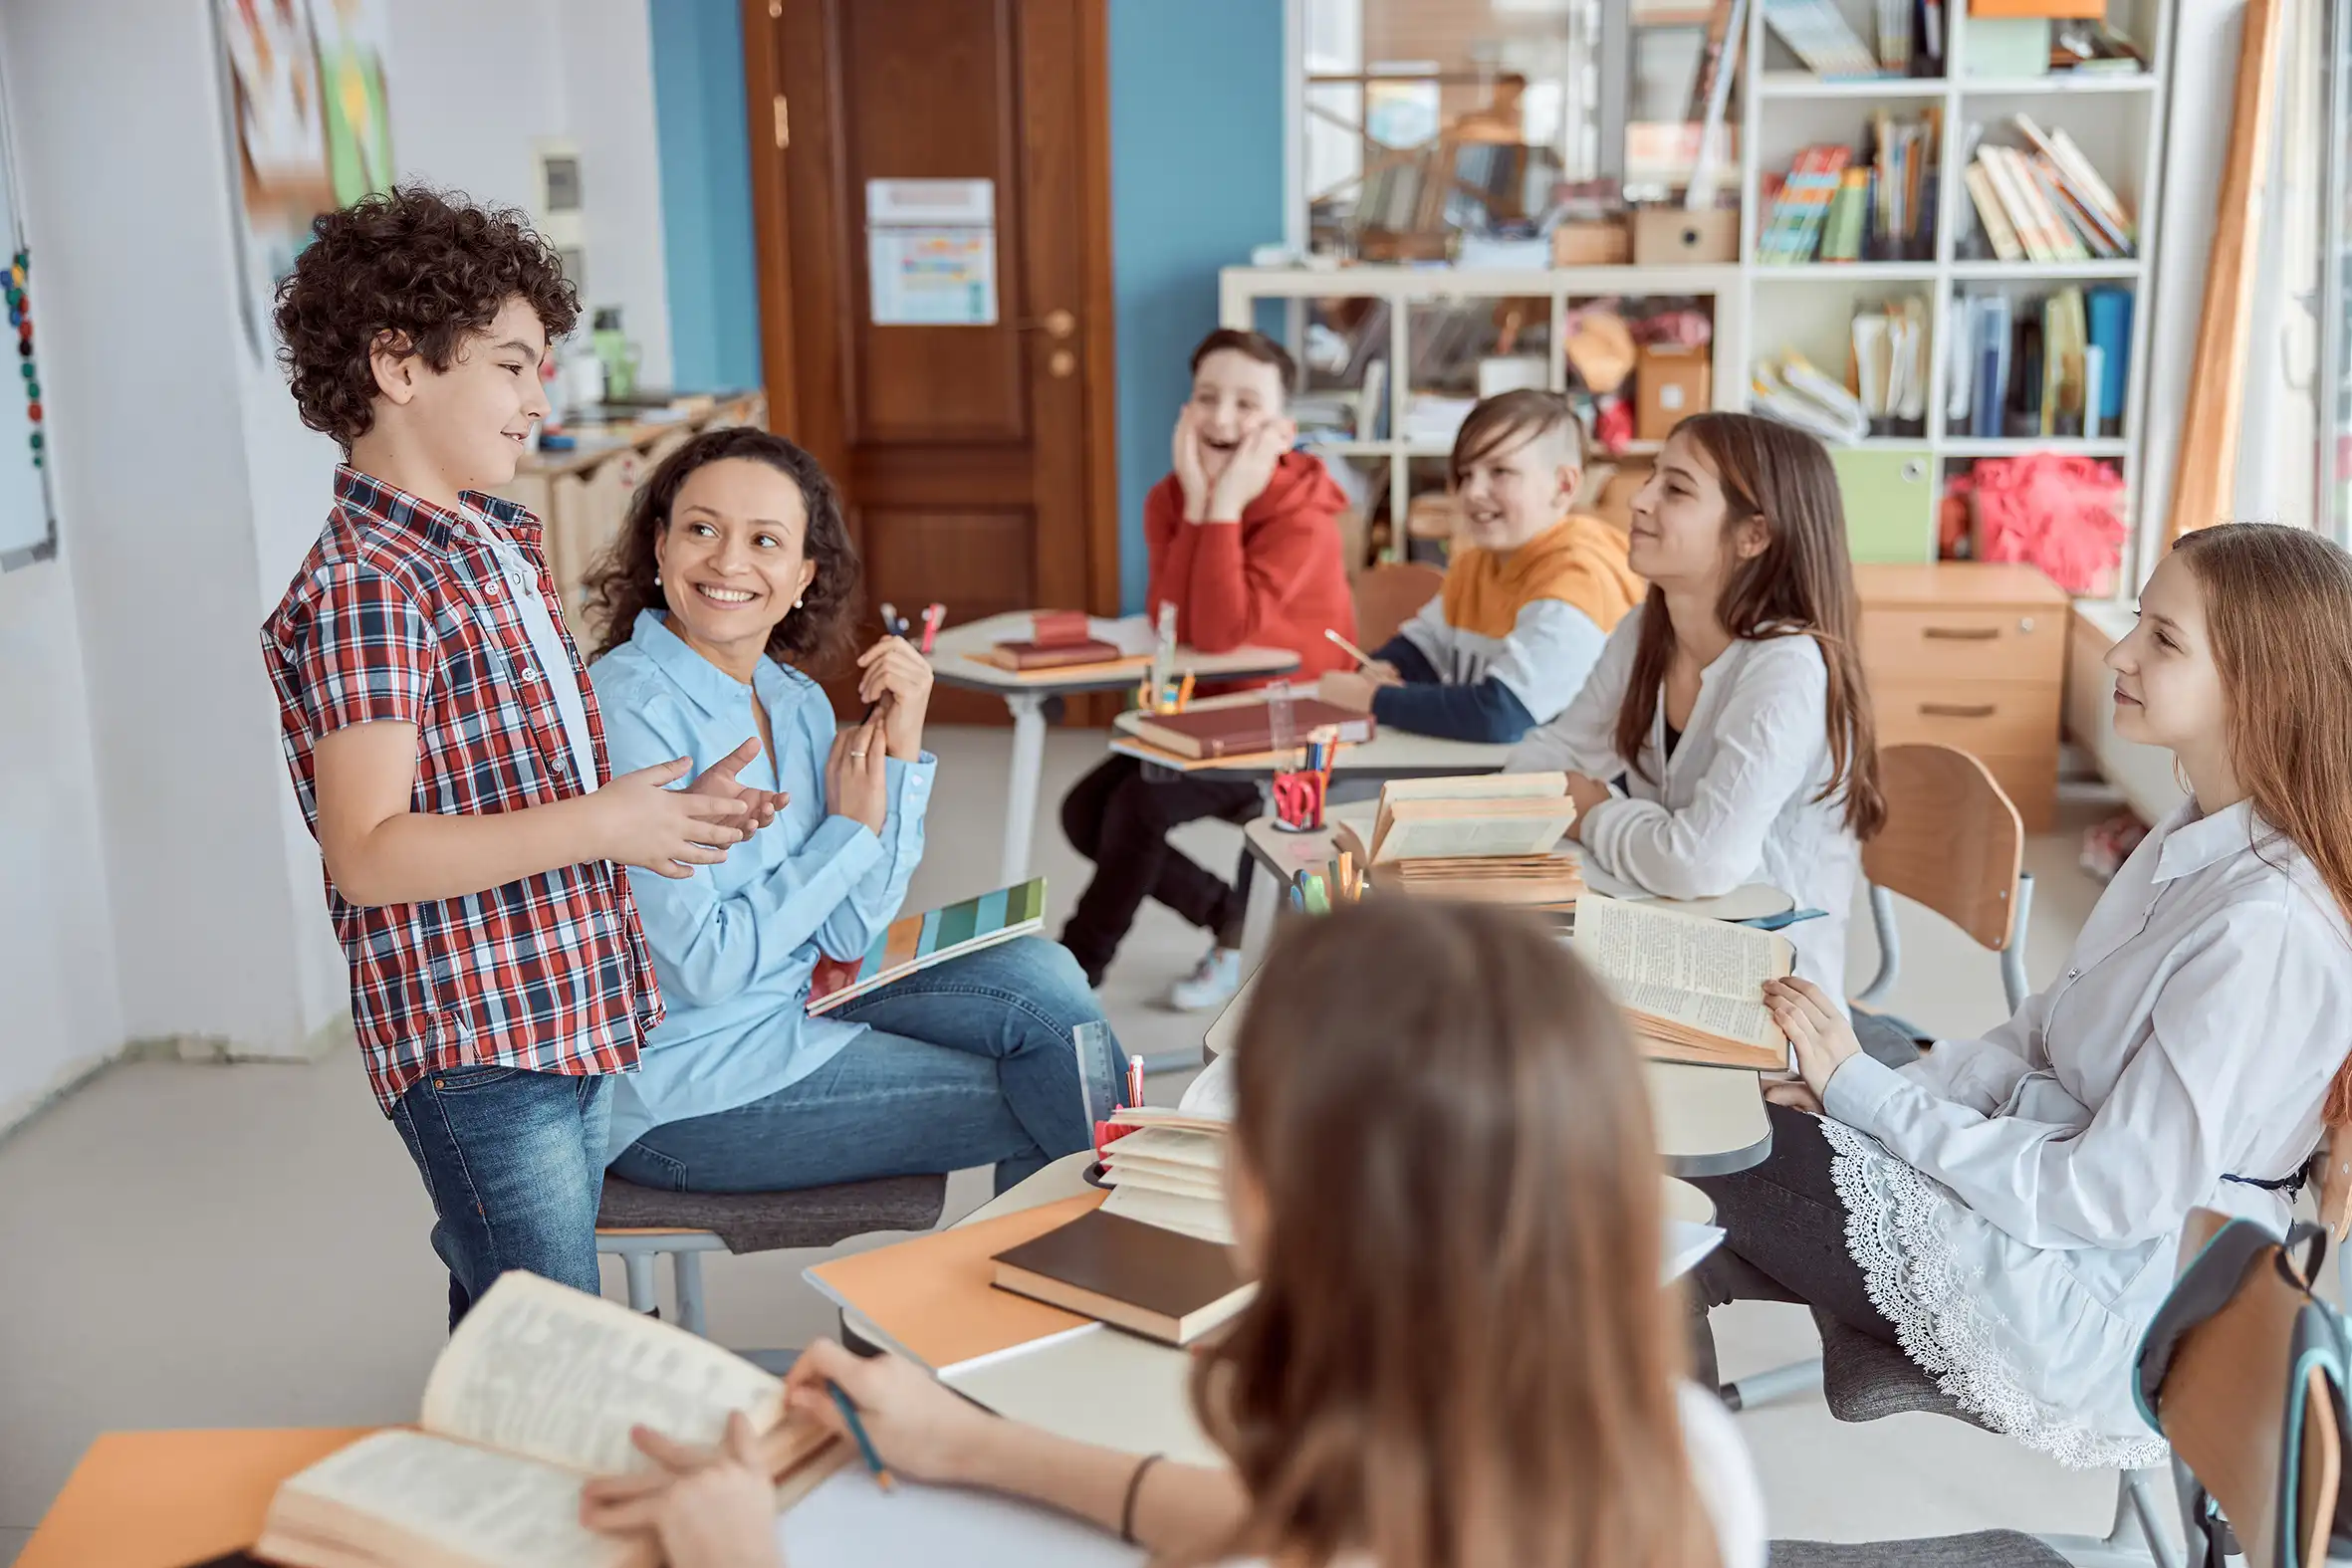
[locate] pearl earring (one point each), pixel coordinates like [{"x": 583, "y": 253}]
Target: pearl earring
[{"x": 797, "y": 604}]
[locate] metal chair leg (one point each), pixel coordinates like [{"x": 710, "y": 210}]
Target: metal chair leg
[
  {"x": 686, "y": 1265},
  {"x": 1778, "y": 1383},
  {"x": 639, "y": 1268},
  {"x": 2136, "y": 1538}
]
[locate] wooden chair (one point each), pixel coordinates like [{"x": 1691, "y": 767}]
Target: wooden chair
[{"x": 1386, "y": 597}]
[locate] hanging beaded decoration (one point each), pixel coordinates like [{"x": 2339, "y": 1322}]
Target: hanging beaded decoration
[{"x": 19, "y": 317}]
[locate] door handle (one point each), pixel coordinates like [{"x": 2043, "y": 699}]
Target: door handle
[
  {"x": 1056, "y": 324},
  {"x": 1961, "y": 634},
  {"x": 1956, "y": 710}
]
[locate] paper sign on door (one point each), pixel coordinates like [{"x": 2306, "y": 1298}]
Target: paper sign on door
[{"x": 931, "y": 252}]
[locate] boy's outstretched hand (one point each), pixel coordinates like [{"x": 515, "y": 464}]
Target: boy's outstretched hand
[
  {"x": 718, "y": 780},
  {"x": 643, "y": 823}
]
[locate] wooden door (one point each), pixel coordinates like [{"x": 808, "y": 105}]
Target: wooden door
[{"x": 977, "y": 461}]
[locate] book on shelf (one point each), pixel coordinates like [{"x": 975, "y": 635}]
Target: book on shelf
[
  {"x": 1147, "y": 1279},
  {"x": 914, "y": 942},
  {"x": 2048, "y": 205},
  {"x": 1786, "y": 388},
  {"x": 1692, "y": 988},
  {"x": 1206, "y": 731},
  {"x": 1792, "y": 227},
  {"x": 535, "y": 1393},
  {"x": 1816, "y": 32},
  {"x": 2049, "y": 369},
  {"x": 1890, "y": 364}
]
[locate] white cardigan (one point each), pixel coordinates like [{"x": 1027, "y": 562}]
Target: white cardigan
[
  {"x": 2016, "y": 1203},
  {"x": 1736, "y": 803}
]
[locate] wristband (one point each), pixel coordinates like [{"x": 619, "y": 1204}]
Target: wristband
[{"x": 1135, "y": 1490}]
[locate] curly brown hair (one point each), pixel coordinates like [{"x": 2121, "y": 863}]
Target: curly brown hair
[
  {"x": 426, "y": 266},
  {"x": 627, "y": 578}
]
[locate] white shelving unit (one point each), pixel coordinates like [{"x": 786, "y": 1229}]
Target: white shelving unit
[{"x": 2117, "y": 119}]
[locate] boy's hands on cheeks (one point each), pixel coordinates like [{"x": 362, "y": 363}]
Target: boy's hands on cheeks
[
  {"x": 1824, "y": 1036},
  {"x": 707, "y": 1509},
  {"x": 920, "y": 1430},
  {"x": 646, "y": 823},
  {"x": 893, "y": 669},
  {"x": 856, "y": 785},
  {"x": 1251, "y": 469},
  {"x": 1192, "y": 473}
]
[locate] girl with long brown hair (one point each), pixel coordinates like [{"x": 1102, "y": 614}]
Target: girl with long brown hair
[
  {"x": 2007, "y": 1210},
  {"x": 1724, "y": 736},
  {"x": 1443, "y": 1177}
]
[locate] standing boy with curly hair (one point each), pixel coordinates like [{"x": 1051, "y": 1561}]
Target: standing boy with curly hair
[{"x": 445, "y": 744}]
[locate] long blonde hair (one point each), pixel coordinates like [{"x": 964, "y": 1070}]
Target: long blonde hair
[
  {"x": 2278, "y": 610},
  {"x": 1459, "y": 1353}
]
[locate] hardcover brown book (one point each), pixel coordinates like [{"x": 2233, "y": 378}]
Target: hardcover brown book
[
  {"x": 1139, "y": 1278},
  {"x": 534, "y": 1394},
  {"x": 1246, "y": 729},
  {"x": 1053, "y": 655}
]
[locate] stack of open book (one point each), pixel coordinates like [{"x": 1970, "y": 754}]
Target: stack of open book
[{"x": 1490, "y": 838}]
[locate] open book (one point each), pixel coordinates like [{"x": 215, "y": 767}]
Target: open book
[
  {"x": 1170, "y": 1172},
  {"x": 915, "y": 941},
  {"x": 1692, "y": 988},
  {"x": 1493, "y": 839},
  {"x": 535, "y": 1393}
]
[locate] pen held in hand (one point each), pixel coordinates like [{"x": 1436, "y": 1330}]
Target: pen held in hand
[
  {"x": 1350, "y": 649},
  {"x": 865, "y": 1444}
]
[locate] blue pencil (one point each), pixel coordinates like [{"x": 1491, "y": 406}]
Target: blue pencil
[{"x": 865, "y": 1444}]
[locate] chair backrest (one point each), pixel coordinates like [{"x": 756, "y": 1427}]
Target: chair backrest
[
  {"x": 1387, "y": 595},
  {"x": 1952, "y": 841}
]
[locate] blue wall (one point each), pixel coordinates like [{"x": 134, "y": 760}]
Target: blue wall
[
  {"x": 1196, "y": 171},
  {"x": 706, "y": 193}
]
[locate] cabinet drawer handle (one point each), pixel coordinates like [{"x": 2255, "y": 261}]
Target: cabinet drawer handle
[
  {"x": 1958, "y": 710},
  {"x": 1960, "y": 633}
]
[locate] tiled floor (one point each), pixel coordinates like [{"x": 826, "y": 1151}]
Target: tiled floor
[{"x": 198, "y": 1246}]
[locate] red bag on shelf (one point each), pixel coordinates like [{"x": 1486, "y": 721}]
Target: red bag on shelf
[{"x": 2049, "y": 509}]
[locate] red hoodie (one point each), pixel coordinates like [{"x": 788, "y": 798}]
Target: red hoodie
[{"x": 1274, "y": 580}]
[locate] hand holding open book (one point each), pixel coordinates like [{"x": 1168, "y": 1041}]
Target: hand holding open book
[{"x": 1692, "y": 988}]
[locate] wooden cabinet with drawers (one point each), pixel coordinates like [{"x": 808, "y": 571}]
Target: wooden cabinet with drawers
[{"x": 1970, "y": 655}]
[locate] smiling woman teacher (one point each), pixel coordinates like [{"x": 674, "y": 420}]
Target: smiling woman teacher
[{"x": 734, "y": 556}]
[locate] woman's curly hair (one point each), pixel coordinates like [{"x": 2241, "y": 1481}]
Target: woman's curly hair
[
  {"x": 625, "y": 579},
  {"x": 427, "y": 266}
]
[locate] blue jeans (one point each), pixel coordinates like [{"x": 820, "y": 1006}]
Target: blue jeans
[
  {"x": 515, "y": 1163},
  {"x": 964, "y": 1063}
]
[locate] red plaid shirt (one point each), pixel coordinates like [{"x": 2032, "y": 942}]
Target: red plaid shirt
[{"x": 400, "y": 613}]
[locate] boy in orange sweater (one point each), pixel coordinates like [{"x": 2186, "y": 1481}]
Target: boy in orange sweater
[{"x": 1244, "y": 541}]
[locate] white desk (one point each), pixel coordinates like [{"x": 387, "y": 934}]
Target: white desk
[
  {"x": 1389, "y": 753},
  {"x": 1285, "y": 853},
  {"x": 953, "y": 662},
  {"x": 1106, "y": 1387},
  {"x": 1711, "y": 1121}
]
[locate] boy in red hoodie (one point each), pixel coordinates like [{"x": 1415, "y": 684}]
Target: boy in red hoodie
[{"x": 1244, "y": 540}]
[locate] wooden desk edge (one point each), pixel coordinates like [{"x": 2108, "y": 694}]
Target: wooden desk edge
[{"x": 164, "y": 1499}]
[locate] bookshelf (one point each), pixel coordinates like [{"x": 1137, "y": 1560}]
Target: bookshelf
[{"x": 1757, "y": 309}]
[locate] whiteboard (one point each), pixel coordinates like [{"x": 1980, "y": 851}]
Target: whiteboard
[{"x": 27, "y": 526}]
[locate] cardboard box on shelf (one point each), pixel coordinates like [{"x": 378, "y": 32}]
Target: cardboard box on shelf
[
  {"x": 1672, "y": 236},
  {"x": 1671, "y": 383},
  {"x": 1603, "y": 242}
]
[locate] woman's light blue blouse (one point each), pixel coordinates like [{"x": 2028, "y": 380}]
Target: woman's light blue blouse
[{"x": 735, "y": 944}]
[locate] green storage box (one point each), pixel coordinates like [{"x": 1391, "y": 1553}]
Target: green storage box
[{"x": 1890, "y": 502}]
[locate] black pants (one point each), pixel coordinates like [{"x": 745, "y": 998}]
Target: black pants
[
  {"x": 1118, "y": 819},
  {"x": 1784, "y": 1239}
]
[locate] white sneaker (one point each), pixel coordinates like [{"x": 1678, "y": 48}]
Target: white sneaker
[{"x": 1210, "y": 985}]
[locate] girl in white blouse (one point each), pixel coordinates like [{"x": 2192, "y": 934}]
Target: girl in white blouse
[
  {"x": 1724, "y": 736},
  {"x": 2007, "y": 1210},
  {"x": 1442, "y": 1177}
]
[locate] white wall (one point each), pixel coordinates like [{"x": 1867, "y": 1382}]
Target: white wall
[{"x": 473, "y": 84}]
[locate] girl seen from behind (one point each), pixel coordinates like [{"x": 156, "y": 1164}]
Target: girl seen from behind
[
  {"x": 1726, "y": 736},
  {"x": 1442, "y": 1174}
]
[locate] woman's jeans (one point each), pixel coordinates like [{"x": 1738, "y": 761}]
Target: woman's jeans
[{"x": 964, "y": 1063}]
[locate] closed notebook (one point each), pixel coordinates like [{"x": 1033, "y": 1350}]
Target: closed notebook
[
  {"x": 1246, "y": 728},
  {"x": 1139, "y": 1278},
  {"x": 1056, "y": 655}
]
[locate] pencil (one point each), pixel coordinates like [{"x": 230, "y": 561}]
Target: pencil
[
  {"x": 1350, "y": 649},
  {"x": 865, "y": 1444}
]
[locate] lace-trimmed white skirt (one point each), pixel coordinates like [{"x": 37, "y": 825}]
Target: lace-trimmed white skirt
[{"x": 2036, "y": 1342}]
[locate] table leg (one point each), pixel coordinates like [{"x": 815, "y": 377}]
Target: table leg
[{"x": 1020, "y": 798}]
